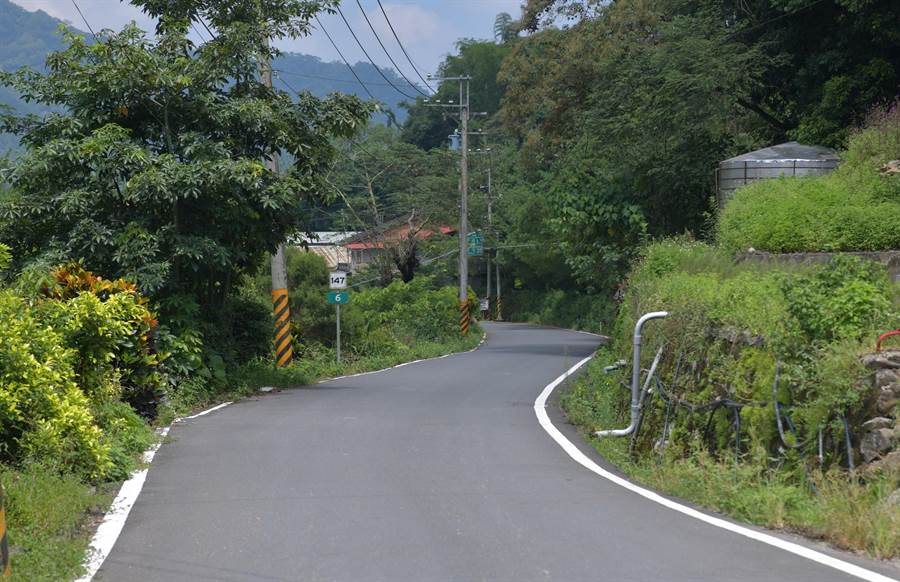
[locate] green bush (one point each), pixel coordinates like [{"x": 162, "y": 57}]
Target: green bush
[
  {"x": 855, "y": 208},
  {"x": 109, "y": 325},
  {"x": 729, "y": 324},
  {"x": 44, "y": 415}
]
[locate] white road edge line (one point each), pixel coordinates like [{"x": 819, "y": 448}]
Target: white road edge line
[
  {"x": 108, "y": 532},
  {"x": 483, "y": 338},
  {"x": 540, "y": 409}
]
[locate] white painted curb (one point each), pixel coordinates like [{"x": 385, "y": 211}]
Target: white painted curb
[
  {"x": 540, "y": 410},
  {"x": 108, "y": 532}
]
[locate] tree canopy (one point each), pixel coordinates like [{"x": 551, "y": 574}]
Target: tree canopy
[{"x": 154, "y": 170}]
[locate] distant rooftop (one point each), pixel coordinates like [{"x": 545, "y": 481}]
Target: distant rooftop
[
  {"x": 790, "y": 151},
  {"x": 325, "y": 237}
]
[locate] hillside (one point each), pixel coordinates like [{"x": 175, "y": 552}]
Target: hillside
[{"x": 26, "y": 38}]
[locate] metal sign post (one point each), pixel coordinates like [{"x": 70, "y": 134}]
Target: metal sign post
[{"x": 338, "y": 280}]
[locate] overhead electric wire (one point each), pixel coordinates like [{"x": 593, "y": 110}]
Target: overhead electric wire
[
  {"x": 203, "y": 22},
  {"x": 346, "y": 62},
  {"x": 406, "y": 54},
  {"x": 384, "y": 48},
  {"x": 365, "y": 52},
  {"x": 83, "y": 19},
  {"x": 336, "y": 80}
]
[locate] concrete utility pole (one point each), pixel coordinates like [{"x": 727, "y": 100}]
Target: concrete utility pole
[
  {"x": 485, "y": 150},
  {"x": 283, "y": 341},
  {"x": 463, "y": 107},
  {"x": 464, "y": 212}
]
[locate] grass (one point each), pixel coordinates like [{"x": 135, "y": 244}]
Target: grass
[
  {"x": 49, "y": 517},
  {"x": 829, "y": 506}
]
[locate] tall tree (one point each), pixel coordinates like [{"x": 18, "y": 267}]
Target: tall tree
[
  {"x": 395, "y": 192},
  {"x": 428, "y": 127},
  {"x": 154, "y": 171}
]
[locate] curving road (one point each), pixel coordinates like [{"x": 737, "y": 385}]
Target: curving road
[{"x": 435, "y": 471}]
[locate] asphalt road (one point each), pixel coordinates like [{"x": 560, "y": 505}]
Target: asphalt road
[{"x": 435, "y": 471}]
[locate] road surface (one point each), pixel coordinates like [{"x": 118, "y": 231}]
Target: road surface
[{"x": 435, "y": 471}]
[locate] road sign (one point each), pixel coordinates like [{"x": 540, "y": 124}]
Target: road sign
[
  {"x": 338, "y": 297},
  {"x": 337, "y": 280},
  {"x": 475, "y": 244}
]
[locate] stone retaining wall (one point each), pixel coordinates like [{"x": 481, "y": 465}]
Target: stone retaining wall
[{"x": 879, "y": 444}]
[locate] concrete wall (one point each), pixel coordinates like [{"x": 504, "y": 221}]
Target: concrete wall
[{"x": 890, "y": 259}]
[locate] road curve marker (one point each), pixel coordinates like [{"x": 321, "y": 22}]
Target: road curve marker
[{"x": 540, "y": 410}]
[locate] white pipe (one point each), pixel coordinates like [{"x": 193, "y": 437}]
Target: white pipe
[{"x": 635, "y": 376}]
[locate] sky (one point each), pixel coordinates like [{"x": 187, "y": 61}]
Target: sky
[{"x": 427, "y": 28}]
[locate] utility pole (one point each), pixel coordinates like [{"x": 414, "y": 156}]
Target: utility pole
[
  {"x": 499, "y": 303},
  {"x": 280, "y": 305},
  {"x": 463, "y": 107},
  {"x": 485, "y": 150}
]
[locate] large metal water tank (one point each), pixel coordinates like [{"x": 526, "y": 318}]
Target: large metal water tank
[{"x": 787, "y": 159}]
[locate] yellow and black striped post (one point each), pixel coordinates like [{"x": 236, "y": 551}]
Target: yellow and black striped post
[
  {"x": 498, "y": 308},
  {"x": 464, "y": 317},
  {"x": 284, "y": 353},
  {"x": 5, "y": 570}
]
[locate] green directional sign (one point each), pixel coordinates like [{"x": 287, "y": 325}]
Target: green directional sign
[
  {"x": 338, "y": 297},
  {"x": 475, "y": 244}
]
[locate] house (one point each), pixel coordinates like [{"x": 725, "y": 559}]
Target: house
[
  {"x": 364, "y": 247},
  {"x": 327, "y": 244}
]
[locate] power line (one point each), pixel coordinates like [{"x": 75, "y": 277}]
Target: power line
[
  {"x": 390, "y": 58},
  {"x": 334, "y": 79},
  {"x": 397, "y": 38},
  {"x": 83, "y": 19},
  {"x": 344, "y": 59},
  {"x": 197, "y": 32},
  {"x": 203, "y": 22},
  {"x": 365, "y": 52}
]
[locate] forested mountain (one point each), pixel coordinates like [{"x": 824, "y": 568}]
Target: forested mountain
[{"x": 27, "y": 37}]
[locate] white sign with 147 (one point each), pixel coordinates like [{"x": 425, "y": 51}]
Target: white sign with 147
[{"x": 338, "y": 280}]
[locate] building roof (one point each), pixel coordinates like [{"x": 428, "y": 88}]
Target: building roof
[
  {"x": 395, "y": 232},
  {"x": 790, "y": 151},
  {"x": 324, "y": 237}
]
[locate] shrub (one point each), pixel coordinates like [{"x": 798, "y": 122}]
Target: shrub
[
  {"x": 563, "y": 308},
  {"x": 855, "y": 208},
  {"x": 43, "y": 413},
  {"x": 112, "y": 331},
  {"x": 729, "y": 324}
]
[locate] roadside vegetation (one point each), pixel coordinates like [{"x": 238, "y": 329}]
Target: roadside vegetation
[
  {"x": 137, "y": 218},
  {"x": 742, "y": 336},
  {"x": 136, "y": 222},
  {"x": 855, "y": 208}
]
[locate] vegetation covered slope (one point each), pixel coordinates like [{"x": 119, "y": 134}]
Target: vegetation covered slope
[
  {"x": 763, "y": 378},
  {"x": 855, "y": 208}
]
